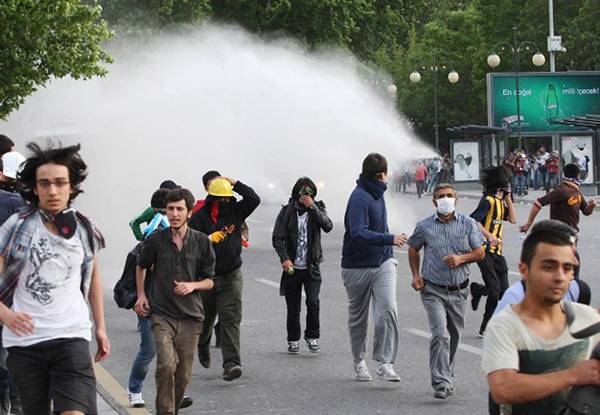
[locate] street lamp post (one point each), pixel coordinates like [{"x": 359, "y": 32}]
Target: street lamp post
[
  {"x": 516, "y": 48},
  {"x": 453, "y": 78}
]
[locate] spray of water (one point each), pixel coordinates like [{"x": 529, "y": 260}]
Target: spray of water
[{"x": 177, "y": 105}]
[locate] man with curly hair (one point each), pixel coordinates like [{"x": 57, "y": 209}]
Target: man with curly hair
[{"x": 48, "y": 269}]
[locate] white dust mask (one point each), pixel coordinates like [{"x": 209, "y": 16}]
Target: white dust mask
[{"x": 445, "y": 205}]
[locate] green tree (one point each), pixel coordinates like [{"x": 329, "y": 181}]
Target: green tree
[
  {"x": 454, "y": 37},
  {"x": 133, "y": 16},
  {"x": 42, "y": 39}
]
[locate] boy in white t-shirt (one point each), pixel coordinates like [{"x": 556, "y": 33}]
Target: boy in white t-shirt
[
  {"x": 48, "y": 270},
  {"x": 529, "y": 356}
]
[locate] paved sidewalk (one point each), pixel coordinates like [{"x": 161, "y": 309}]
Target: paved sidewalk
[
  {"x": 112, "y": 397},
  {"x": 529, "y": 198},
  {"x": 104, "y": 408}
]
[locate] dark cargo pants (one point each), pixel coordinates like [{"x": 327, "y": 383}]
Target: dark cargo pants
[{"x": 224, "y": 300}]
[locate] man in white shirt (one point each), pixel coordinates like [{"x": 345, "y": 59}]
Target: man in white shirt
[{"x": 529, "y": 357}]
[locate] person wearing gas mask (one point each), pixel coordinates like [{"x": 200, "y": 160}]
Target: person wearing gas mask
[
  {"x": 48, "y": 269},
  {"x": 297, "y": 241},
  {"x": 494, "y": 210},
  {"x": 451, "y": 241},
  {"x": 221, "y": 219}
]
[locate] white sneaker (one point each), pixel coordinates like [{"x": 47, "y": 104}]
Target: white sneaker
[
  {"x": 136, "y": 400},
  {"x": 362, "y": 372},
  {"x": 386, "y": 371}
]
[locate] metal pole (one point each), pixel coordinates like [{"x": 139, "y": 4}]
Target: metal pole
[
  {"x": 516, "y": 68},
  {"x": 435, "y": 105},
  {"x": 551, "y": 28}
]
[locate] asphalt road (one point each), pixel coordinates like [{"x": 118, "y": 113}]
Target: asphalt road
[{"x": 277, "y": 383}]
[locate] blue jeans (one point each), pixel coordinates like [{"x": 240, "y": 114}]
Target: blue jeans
[
  {"x": 519, "y": 184},
  {"x": 143, "y": 358}
]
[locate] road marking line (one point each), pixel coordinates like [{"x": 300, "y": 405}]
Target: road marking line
[
  {"x": 115, "y": 391},
  {"x": 272, "y": 284},
  {"x": 464, "y": 347},
  {"x": 420, "y": 333}
]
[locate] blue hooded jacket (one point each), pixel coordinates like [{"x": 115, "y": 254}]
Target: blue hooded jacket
[{"x": 367, "y": 241}]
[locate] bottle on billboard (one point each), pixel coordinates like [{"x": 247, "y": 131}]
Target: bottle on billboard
[{"x": 552, "y": 109}]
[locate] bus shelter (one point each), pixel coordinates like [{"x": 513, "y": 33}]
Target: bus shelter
[{"x": 481, "y": 146}]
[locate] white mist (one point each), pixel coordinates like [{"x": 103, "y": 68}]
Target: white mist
[{"x": 175, "y": 106}]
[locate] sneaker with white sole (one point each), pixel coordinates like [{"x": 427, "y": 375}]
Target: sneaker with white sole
[
  {"x": 136, "y": 400},
  {"x": 313, "y": 345},
  {"x": 362, "y": 372},
  {"x": 386, "y": 371},
  {"x": 293, "y": 347}
]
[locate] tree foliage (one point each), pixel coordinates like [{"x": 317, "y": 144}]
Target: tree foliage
[
  {"x": 41, "y": 39},
  {"x": 46, "y": 38}
]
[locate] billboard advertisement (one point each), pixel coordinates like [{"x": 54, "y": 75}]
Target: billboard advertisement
[{"x": 544, "y": 97}]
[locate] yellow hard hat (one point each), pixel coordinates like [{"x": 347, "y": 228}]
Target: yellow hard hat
[{"x": 220, "y": 188}]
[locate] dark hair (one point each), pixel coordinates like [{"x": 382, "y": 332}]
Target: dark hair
[
  {"x": 180, "y": 194},
  {"x": 571, "y": 171},
  {"x": 373, "y": 165},
  {"x": 494, "y": 179},
  {"x": 169, "y": 185},
  {"x": 65, "y": 156},
  {"x": 548, "y": 231},
  {"x": 302, "y": 182},
  {"x": 158, "y": 199},
  {"x": 208, "y": 176},
  {"x": 6, "y": 144},
  {"x": 442, "y": 186}
]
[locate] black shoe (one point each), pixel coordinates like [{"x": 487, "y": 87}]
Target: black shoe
[
  {"x": 231, "y": 373},
  {"x": 186, "y": 402},
  {"x": 475, "y": 295},
  {"x": 204, "y": 356}
]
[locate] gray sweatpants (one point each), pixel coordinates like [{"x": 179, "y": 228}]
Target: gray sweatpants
[
  {"x": 378, "y": 284},
  {"x": 446, "y": 315}
]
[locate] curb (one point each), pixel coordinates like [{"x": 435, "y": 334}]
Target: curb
[{"x": 114, "y": 394}]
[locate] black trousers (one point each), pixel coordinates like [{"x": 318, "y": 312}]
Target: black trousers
[
  {"x": 57, "y": 370},
  {"x": 494, "y": 272},
  {"x": 292, "y": 289},
  {"x": 420, "y": 187}
]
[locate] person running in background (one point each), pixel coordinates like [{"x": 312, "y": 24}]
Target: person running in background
[
  {"x": 297, "y": 241},
  {"x": 494, "y": 209},
  {"x": 148, "y": 214},
  {"x": 519, "y": 175},
  {"x": 433, "y": 169},
  {"x": 566, "y": 201},
  {"x": 420, "y": 178},
  {"x": 553, "y": 171}
]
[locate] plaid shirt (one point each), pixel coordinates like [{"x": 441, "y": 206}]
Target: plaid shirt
[
  {"x": 458, "y": 236},
  {"x": 15, "y": 243}
]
